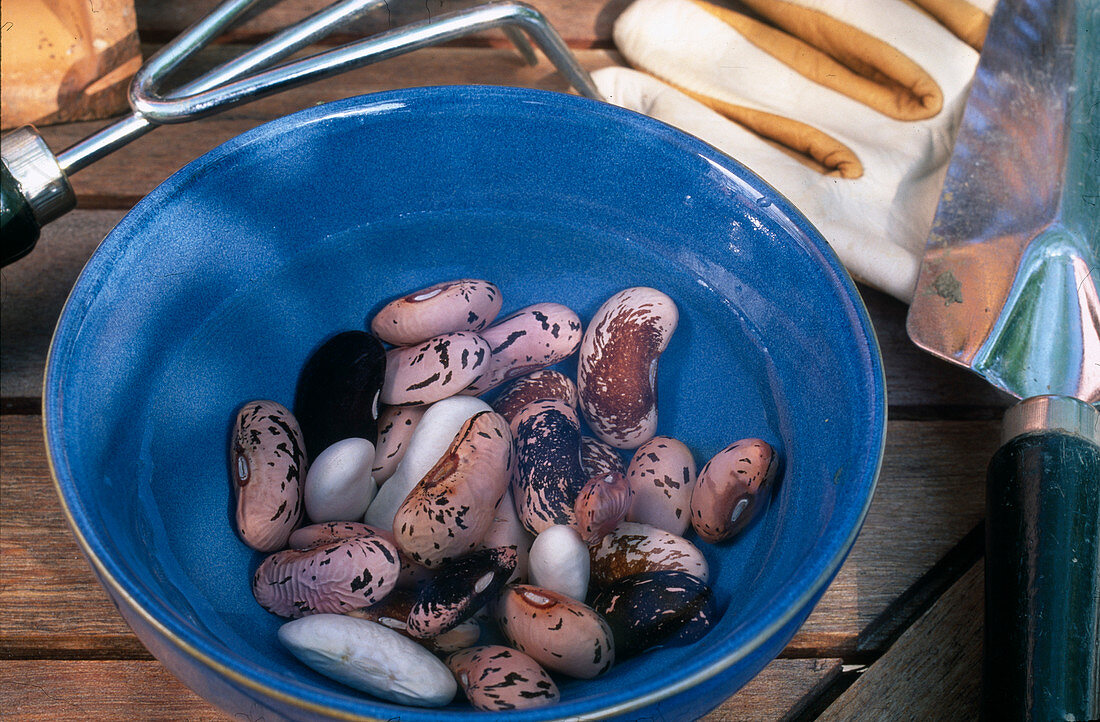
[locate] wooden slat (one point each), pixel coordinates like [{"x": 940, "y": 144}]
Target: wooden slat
[
  {"x": 100, "y": 690},
  {"x": 582, "y": 23},
  {"x": 144, "y": 690},
  {"x": 125, "y": 176},
  {"x": 932, "y": 672},
  {"x": 779, "y": 692},
  {"x": 931, "y": 493},
  {"x": 51, "y": 605}
]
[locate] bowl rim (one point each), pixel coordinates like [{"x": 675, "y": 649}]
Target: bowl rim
[{"x": 457, "y": 96}]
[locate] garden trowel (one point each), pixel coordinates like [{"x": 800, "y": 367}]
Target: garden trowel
[{"x": 1009, "y": 288}]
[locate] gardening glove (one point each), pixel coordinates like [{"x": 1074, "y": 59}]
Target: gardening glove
[{"x": 849, "y": 108}]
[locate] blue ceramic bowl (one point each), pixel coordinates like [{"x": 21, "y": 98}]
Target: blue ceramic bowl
[{"x": 217, "y": 286}]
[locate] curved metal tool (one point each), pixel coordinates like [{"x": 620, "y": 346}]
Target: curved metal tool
[
  {"x": 35, "y": 188},
  {"x": 1010, "y": 288}
]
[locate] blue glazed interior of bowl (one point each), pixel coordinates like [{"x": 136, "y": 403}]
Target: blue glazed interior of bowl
[{"x": 216, "y": 288}]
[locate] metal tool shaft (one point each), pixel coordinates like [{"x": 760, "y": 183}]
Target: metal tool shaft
[
  {"x": 282, "y": 45},
  {"x": 35, "y": 188},
  {"x": 174, "y": 109}
]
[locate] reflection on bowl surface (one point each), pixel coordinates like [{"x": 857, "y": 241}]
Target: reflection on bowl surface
[{"x": 216, "y": 288}]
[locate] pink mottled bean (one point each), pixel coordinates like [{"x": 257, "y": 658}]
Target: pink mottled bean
[
  {"x": 601, "y": 505},
  {"x": 635, "y": 548},
  {"x": 599, "y": 458},
  {"x": 548, "y": 475},
  {"x": 662, "y": 475},
  {"x": 732, "y": 489},
  {"x": 617, "y": 371},
  {"x": 396, "y": 425},
  {"x": 530, "y": 339},
  {"x": 393, "y": 612},
  {"x": 268, "y": 465},
  {"x": 560, "y": 633},
  {"x": 463, "y": 305},
  {"x": 497, "y": 678},
  {"x": 451, "y": 508},
  {"x": 328, "y": 532},
  {"x": 328, "y": 578},
  {"x": 306, "y": 537},
  {"x": 435, "y": 369},
  {"x": 539, "y": 385}
]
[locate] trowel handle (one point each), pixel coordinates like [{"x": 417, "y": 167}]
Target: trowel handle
[
  {"x": 18, "y": 227},
  {"x": 1042, "y": 565},
  {"x": 33, "y": 191}
]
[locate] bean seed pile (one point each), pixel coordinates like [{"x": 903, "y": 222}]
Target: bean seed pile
[{"x": 402, "y": 512}]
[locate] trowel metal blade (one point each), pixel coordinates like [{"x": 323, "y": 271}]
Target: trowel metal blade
[{"x": 1010, "y": 282}]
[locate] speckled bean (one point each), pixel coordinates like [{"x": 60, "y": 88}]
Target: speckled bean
[
  {"x": 459, "y": 590},
  {"x": 654, "y": 609},
  {"x": 617, "y": 371},
  {"x": 450, "y": 509},
  {"x": 267, "y": 463},
  {"x": 559, "y": 633},
  {"x": 328, "y": 532},
  {"x": 662, "y": 476},
  {"x": 411, "y": 575},
  {"x": 440, "y": 367},
  {"x": 465, "y": 304},
  {"x": 396, "y": 425},
  {"x": 635, "y": 548},
  {"x": 371, "y": 658},
  {"x": 529, "y": 339},
  {"x": 548, "y": 474},
  {"x": 393, "y": 612},
  {"x": 732, "y": 489},
  {"x": 598, "y": 458},
  {"x": 430, "y": 440},
  {"x": 497, "y": 678},
  {"x": 540, "y": 385},
  {"x": 601, "y": 505},
  {"x": 335, "y": 577}
]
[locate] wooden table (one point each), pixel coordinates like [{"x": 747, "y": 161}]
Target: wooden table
[{"x": 897, "y": 636}]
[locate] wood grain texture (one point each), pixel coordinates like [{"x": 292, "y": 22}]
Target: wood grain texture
[
  {"x": 933, "y": 671},
  {"x": 581, "y": 23},
  {"x": 779, "y": 692},
  {"x": 144, "y": 690},
  {"x": 50, "y": 602},
  {"x": 931, "y": 493},
  {"x": 924, "y": 505},
  {"x": 99, "y": 690}
]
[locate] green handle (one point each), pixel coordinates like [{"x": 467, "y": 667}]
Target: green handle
[
  {"x": 18, "y": 228},
  {"x": 1042, "y": 586}
]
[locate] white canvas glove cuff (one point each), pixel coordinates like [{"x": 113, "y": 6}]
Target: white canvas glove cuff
[{"x": 877, "y": 222}]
